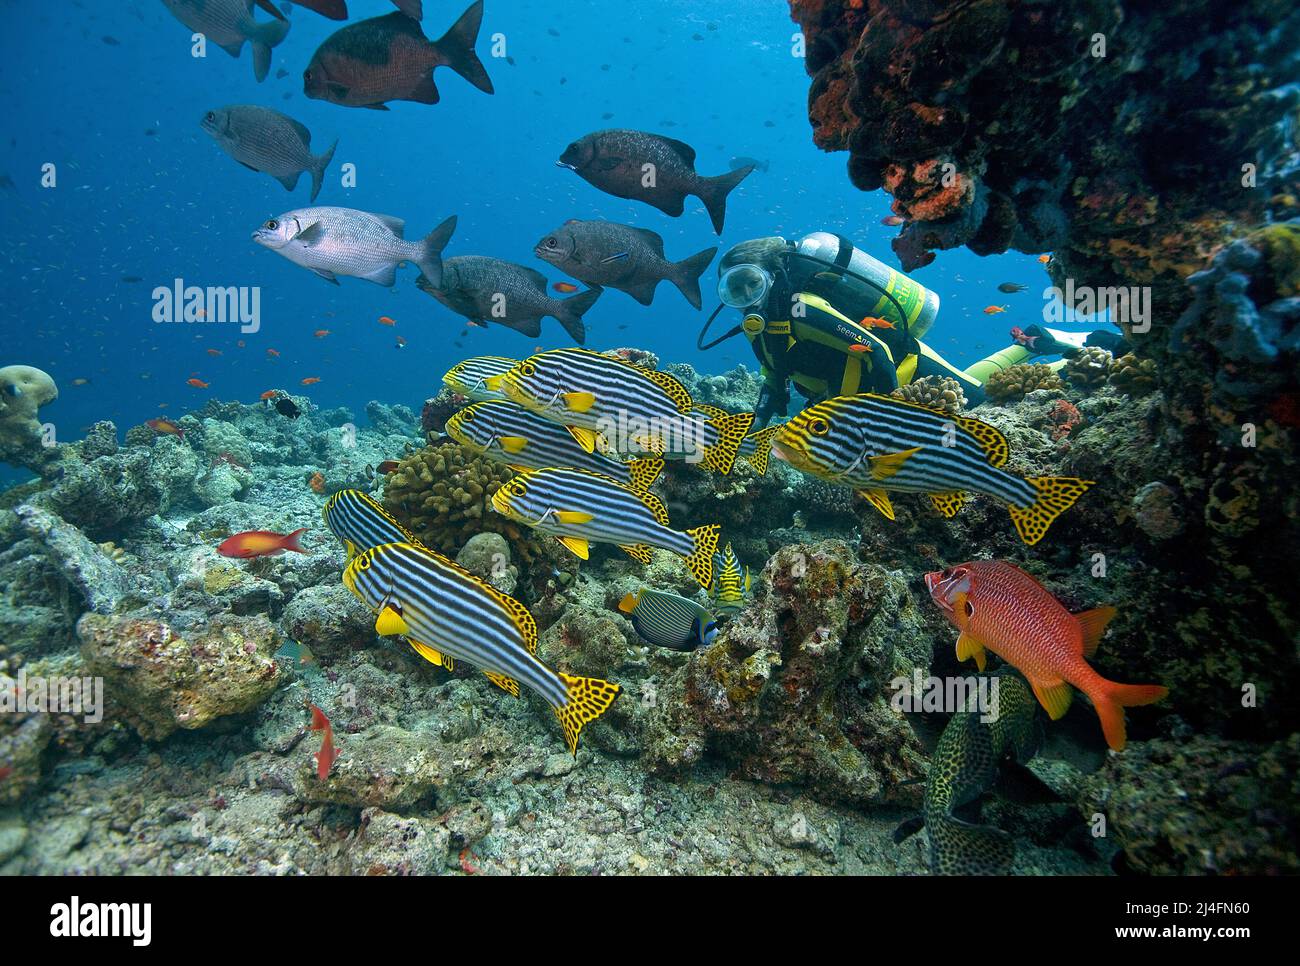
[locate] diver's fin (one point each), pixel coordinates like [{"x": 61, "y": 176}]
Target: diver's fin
[
  {"x": 700, "y": 559},
  {"x": 1056, "y": 494},
  {"x": 643, "y": 473},
  {"x": 507, "y": 684},
  {"x": 432, "y": 656},
  {"x": 880, "y": 500},
  {"x": 588, "y": 699},
  {"x": 883, "y": 467},
  {"x": 949, "y": 503},
  {"x": 731, "y": 430},
  {"x": 1093, "y": 624},
  {"x": 577, "y": 546},
  {"x": 586, "y": 438},
  {"x": 639, "y": 552},
  {"x": 1055, "y": 698},
  {"x": 968, "y": 647}
]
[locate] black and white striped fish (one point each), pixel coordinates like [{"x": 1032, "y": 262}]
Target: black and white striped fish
[
  {"x": 360, "y": 522},
  {"x": 876, "y": 444},
  {"x": 668, "y": 620},
  {"x": 469, "y": 378},
  {"x": 580, "y": 508},
  {"x": 730, "y": 586},
  {"x": 635, "y": 409},
  {"x": 437, "y": 604},
  {"x": 507, "y": 433}
]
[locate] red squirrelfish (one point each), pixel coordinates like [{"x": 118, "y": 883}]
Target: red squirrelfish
[
  {"x": 261, "y": 543},
  {"x": 1001, "y": 608}
]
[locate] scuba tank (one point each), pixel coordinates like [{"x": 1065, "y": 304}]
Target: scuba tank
[{"x": 858, "y": 285}]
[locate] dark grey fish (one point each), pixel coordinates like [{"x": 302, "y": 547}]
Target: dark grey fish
[
  {"x": 606, "y": 254},
  {"x": 747, "y": 162},
  {"x": 651, "y": 168},
  {"x": 228, "y": 24},
  {"x": 389, "y": 59},
  {"x": 491, "y": 290},
  {"x": 1012, "y": 287},
  {"x": 265, "y": 140}
]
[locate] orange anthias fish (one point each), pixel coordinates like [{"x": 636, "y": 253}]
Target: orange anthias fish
[
  {"x": 999, "y": 607},
  {"x": 214, "y": 352},
  {"x": 328, "y": 754},
  {"x": 892, "y": 221},
  {"x": 272, "y": 353},
  {"x": 165, "y": 427},
  {"x": 565, "y": 287},
  {"x": 385, "y": 320},
  {"x": 321, "y": 333},
  {"x": 261, "y": 543},
  {"x": 860, "y": 347},
  {"x": 196, "y": 383},
  {"x": 311, "y": 380},
  {"x": 871, "y": 322},
  {"x": 994, "y": 309},
  {"x": 269, "y": 394},
  {"x": 1044, "y": 258}
]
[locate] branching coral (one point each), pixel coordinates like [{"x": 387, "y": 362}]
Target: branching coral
[{"x": 1016, "y": 382}]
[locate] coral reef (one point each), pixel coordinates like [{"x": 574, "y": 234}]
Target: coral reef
[
  {"x": 438, "y": 409},
  {"x": 937, "y": 392},
  {"x": 1016, "y": 382},
  {"x": 23, "y": 391},
  {"x": 1089, "y": 368},
  {"x": 1133, "y": 376},
  {"x": 1112, "y": 134}
]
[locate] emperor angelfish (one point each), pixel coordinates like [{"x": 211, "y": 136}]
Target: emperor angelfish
[
  {"x": 634, "y": 408},
  {"x": 469, "y": 378},
  {"x": 729, "y": 588},
  {"x": 439, "y": 605},
  {"x": 580, "y": 508},
  {"x": 963, "y": 767},
  {"x": 876, "y": 444},
  {"x": 508, "y": 433},
  {"x": 360, "y": 522},
  {"x": 668, "y": 620}
]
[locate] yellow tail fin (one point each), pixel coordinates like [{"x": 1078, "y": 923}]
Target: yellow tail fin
[
  {"x": 588, "y": 699},
  {"x": 762, "y": 448},
  {"x": 731, "y": 430},
  {"x": 1056, "y": 494},
  {"x": 700, "y": 560}
]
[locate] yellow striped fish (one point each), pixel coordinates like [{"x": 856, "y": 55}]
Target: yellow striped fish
[
  {"x": 877, "y": 444},
  {"x": 435, "y": 603},
  {"x": 669, "y": 620},
  {"x": 470, "y": 378},
  {"x": 507, "y": 433},
  {"x": 360, "y": 522},
  {"x": 580, "y": 508},
  {"x": 729, "y": 588},
  {"x": 634, "y": 408}
]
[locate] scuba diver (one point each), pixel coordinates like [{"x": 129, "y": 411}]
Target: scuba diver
[{"x": 832, "y": 320}]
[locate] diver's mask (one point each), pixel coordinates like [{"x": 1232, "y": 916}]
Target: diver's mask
[{"x": 744, "y": 285}]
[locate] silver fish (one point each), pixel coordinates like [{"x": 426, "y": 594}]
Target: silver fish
[
  {"x": 228, "y": 24},
  {"x": 267, "y": 141},
  {"x": 344, "y": 241}
]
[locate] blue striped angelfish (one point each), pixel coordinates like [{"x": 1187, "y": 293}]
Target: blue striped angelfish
[
  {"x": 635, "y": 409},
  {"x": 360, "y": 522},
  {"x": 667, "y": 620},
  {"x": 438, "y": 604},
  {"x": 470, "y": 378},
  {"x": 507, "y": 433},
  {"x": 878, "y": 444},
  {"x": 580, "y": 508},
  {"x": 729, "y": 588}
]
